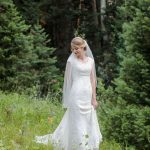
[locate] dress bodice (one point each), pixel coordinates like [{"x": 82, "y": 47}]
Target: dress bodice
[{"x": 81, "y": 69}]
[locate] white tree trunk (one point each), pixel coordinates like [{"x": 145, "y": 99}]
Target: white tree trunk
[
  {"x": 103, "y": 8},
  {"x": 80, "y": 7}
]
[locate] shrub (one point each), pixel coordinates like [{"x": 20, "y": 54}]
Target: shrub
[{"x": 129, "y": 124}]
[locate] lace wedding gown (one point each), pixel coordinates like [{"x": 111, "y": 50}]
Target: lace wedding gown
[{"x": 79, "y": 128}]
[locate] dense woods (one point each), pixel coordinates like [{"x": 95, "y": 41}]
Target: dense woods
[{"x": 35, "y": 40}]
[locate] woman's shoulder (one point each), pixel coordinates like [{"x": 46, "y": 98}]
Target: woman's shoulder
[
  {"x": 91, "y": 59},
  {"x": 68, "y": 60},
  {"x": 71, "y": 58}
]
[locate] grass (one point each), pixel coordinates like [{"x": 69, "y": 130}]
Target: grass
[{"x": 22, "y": 118}]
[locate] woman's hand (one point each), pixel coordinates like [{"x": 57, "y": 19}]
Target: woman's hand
[{"x": 94, "y": 103}]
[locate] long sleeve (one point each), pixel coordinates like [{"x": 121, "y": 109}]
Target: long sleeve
[{"x": 67, "y": 85}]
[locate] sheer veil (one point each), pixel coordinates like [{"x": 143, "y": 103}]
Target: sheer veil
[{"x": 68, "y": 76}]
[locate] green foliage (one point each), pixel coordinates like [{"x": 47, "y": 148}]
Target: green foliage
[
  {"x": 125, "y": 106},
  {"x": 29, "y": 9},
  {"x": 26, "y": 59},
  {"x": 134, "y": 82},
  {"x": 112, "y": 145},
  {"x": 127, "y": 124},
  {"x": 27, "y": 62},
  {"x": 43, "y": 63},
  {"x": 15, "y": 47},
  {"x": 23, "y": 118},
  {"x": 134, "y": 73},
  {"x": 137, "y": 32}
]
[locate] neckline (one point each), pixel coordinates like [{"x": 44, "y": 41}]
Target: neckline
[{"x": 82, "y": 61}]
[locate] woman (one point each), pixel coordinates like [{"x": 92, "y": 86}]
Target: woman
[{"x": 79, "y": 128}]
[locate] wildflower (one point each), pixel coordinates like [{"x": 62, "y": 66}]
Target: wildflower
[{"x": 50, "y": 119}]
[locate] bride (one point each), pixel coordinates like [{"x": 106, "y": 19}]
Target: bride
[{"x": 79, "y": 128}]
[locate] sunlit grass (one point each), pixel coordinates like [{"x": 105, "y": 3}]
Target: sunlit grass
[{"x": 22, "y": 118}]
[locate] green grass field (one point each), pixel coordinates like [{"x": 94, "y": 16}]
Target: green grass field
[{"x": 23, "y": 117}]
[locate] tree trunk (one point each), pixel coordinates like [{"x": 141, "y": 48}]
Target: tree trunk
[
  {"x": 103, "y": 28},
  {"x": 97, "y": 43},
  {"x": 95, "y": 13},
  {"x": 80, "y": 8}
]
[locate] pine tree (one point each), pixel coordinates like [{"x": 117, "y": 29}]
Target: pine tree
[
  {"x": 44, "y": 62},
  {"x": 133, "y": 84},
  {"x": 15, "y": 48},
  {"x": 25, "y": 56},
  {"x": 29, "y": 9}
]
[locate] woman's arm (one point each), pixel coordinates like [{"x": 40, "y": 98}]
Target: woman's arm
[{"x": 93, "y": 83}]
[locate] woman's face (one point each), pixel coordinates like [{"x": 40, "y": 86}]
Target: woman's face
[{"x": 78, "y": 50}]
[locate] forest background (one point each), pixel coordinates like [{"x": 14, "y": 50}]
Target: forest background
[{"x": 35, "y": 40}]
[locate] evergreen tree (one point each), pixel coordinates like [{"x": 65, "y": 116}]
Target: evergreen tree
[
  {"x": 44, "y": 62},
  {"x": 15, "y": 49},
  {"x": 133, "y": 83},
  {"x": 29, "y": 9},
  {"x": 25, "y": 56}
]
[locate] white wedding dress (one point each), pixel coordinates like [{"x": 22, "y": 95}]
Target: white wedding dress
[{"x": 79, "y": 128}]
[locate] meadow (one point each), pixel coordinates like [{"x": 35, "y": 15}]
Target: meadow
[{"x": 23, "y": 117}]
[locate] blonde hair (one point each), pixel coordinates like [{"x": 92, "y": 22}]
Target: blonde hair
[{"x": 77, "y": 41}]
